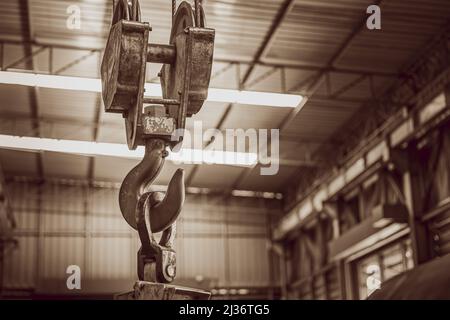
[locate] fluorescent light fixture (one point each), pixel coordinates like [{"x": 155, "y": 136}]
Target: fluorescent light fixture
[
  {"x": 51, "y": 81},
  {"x": 254, "y": 98},
  {"x": 151, "y": 89},
  {"x": 90, "y": 148}
]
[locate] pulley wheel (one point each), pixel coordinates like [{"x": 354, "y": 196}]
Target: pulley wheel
[
  {"x": 125, "y": 11},
  {"x": 184, "y": 18},
  {"x": 125, "y": 53}
]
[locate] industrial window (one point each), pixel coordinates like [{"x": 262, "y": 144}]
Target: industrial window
[{"x": 381, "y": 266}]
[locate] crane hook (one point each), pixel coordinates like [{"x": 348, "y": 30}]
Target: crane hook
[{"x": 164, "y": 211}]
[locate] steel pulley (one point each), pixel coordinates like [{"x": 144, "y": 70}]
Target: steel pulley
[
  {"x": 152, "y": 122},
  {"x": 185, "y": 76}
]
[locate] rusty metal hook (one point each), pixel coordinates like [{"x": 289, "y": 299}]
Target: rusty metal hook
[
  {"x": 144, "y": 224},
  {"x": 164, "y": 211}
]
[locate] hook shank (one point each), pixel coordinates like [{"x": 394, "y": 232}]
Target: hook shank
[{"x": 139, "y": 177}]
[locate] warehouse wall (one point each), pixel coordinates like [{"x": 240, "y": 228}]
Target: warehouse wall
[
  {"x": 344, "y": 250},
  {"x": 221, "y": 243}
]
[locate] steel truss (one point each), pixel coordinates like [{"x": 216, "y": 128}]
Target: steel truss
[{"x": 422, "y": 80}]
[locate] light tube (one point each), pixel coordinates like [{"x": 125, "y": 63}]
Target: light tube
[
  {"x": 151, "y": 89},
  {"x": 91, "y": 148}
]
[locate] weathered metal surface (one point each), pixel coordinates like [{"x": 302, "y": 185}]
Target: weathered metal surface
[
  {"x": 123, "y": 73},
  {"x": 136, "y": 181},
  {"x": 158, "y": 291},
  {"x": 158, "y": 125},
  {"x": 190, "y": 52},
  {"x": 123, "y": 57},
  {"x": 161, "y": 101},
  {"x": 194, "y": 52},
  {"x": 185, "y": 79},
  {"x": 156, "y": 261},
  {"x": 161, "y": 53}
]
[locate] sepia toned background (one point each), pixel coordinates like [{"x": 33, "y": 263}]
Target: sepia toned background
[{"x": 363, "y": 190}]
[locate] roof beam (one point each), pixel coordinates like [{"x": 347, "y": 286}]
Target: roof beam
[
  {"x": 314, "y": 85},
  {"x": 27, "y": 34},
  {"x": 312, "y": 88},
  {"x": 98, "y": 104},
  {"x": 284, "y": 9},
  {"x": 288, "y": 64},
  {"x": 282, "y": 12}
]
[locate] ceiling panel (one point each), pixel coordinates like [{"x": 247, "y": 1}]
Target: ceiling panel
[
  {"x": 67, "y": 131},
  {"x": 209, "y": 115},
  {"x": 49, "y": 22},
  {"x": 309, "y": 36},
  {"x": 255, "y": 117},
  {"x": 240, "y": 25},
  {"x": 65, "y": 165},
  {"x": 112, "y": 169},
  {"x": 10, "y": 22},
  {"x": 78, "y": 105},
  {"x": 300, "y": 150},
  {"x": 225, "y": 75},
  {"x": 18, "y": 162},
  {"x": 319, "y": 120},
  {"x": 264, "y": 78},
  {"x": 20, "y": 126},
  {"x": 216, "y": 176},
  {"x": 313, "y": 30},
  {"x": 14, "y": 100},
  {"x": 406, "y": 26},
  {"x": 256, "y": 181},
  {"x": 68, "y": 62},
  {"x": 112, "y": 134}
]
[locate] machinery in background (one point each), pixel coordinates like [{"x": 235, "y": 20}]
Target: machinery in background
[
  {"x": 157, "y": 124},
  {"x": 430, "y": 281}
]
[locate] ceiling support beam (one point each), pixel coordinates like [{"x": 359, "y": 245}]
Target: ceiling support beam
[
  {"x": 313, "y": 86},
  {"x": 75, "y": 62},
  {"x": 284, "y": 9},
  {"x": 428, "y": 75},
  {"x": 348, "y": 86},
  {"x": 95, "y": 133},
  {"x": 281, "y": 14},
  {"x": 29, "y": 55},
  {"x": 27, "y": 34},
  {"x": 6, "y": 44},
  {"x": 98, "y": 103}
]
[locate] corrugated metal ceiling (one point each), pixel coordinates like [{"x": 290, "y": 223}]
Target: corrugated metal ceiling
[{"x": 309, "y": 36}]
